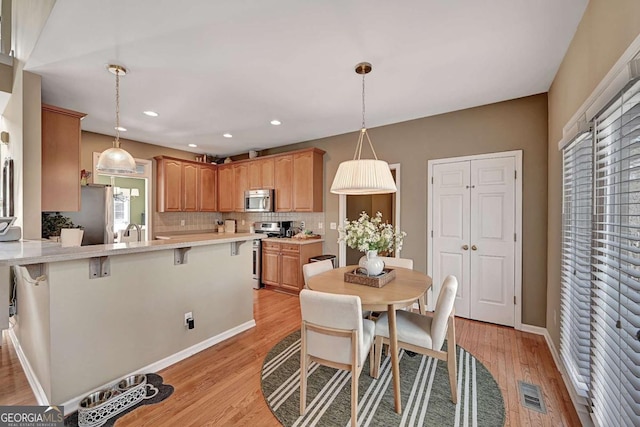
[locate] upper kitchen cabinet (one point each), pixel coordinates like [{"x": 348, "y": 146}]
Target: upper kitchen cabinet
[
  {"x": 185, "y": 186},
  {"x": 60, "y": 159},
  {"x": 307, "y": 181},
  {"x": 226, "y": 194},
  {"x": 261, "y": 174},
  {"x": 241, "y": 183},
  {"x": 283, "y": 177}
]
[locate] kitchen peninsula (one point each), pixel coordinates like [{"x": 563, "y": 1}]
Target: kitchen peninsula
[{"x": 88, "y": 316}]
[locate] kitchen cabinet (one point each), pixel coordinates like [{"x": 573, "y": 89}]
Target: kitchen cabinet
[
  {"x": 283, "y": 182},
  {"x": 60, "y": 159},
  {"x": 282, "y": 264},
  {"x": 185, "y": 186},
  {"x": 241, "y": 184},
  {"x": 307, "y": 181},
  {"x": 261, "y": 174},
  {"x": 226, "y": 198}
]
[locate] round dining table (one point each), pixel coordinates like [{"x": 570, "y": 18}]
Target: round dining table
[{"x": 407, "y": 287}]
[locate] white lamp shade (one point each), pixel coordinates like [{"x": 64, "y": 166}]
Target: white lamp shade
[
  {"x": 368, "y": 176},
  {"x": 116, "y": 160},
  {"x": 135, "y": 192}
]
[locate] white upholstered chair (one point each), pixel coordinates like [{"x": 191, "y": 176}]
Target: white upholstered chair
[
  {"x": 425, "y": 334},
  {"x": 313, "y": 268},
  {"x": 406, "y": 263},
  {"x": 334, "y": 334}
]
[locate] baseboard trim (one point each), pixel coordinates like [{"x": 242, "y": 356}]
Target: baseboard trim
[
  {"x": 579, "y": 402},
  {"x": 36, "y": 387},
  {"x": 71, "y": 405}
]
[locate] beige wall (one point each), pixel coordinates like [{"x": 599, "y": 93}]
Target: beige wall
[
  {"x": 606, "y": 30},
  {"x": 505, "y": 126}
]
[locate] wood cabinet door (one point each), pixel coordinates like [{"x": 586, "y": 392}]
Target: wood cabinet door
[
  {"x": 303, "y": 182},
  {"x": 170, "y": 176},
  {"x": 207, "y": 196},
  {"x": 60, "y": 159},
  {"x": 283, "y": 176},
  {"x": 255, "y": 175},
  {"x": 290, "y": 270},
  {"x": 267, "y": 167},
  {"x": 190, "y": 187},
  {"x": 271, "y": 267},
  {"x": 241, "y": 176},
  {"x": 225, "y": 188}
]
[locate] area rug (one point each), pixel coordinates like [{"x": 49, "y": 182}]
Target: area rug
[
  {"x": 424, "y": 381},
  {"x": 164, "y": 391}
]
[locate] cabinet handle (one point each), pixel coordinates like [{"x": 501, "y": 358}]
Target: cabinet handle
[
  {"x": 474, "y": 248},
  {"x": 465, "y": 247}
]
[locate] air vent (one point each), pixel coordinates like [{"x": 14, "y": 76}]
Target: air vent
[{"x": 531, "y": 397}]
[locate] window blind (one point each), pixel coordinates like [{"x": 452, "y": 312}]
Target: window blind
[
  {"x": 577, "y": 196},
  {"x": 615, "y": 263}
]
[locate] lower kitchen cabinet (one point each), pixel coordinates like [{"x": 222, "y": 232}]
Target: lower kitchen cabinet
[{"x": 282, "y": 264}]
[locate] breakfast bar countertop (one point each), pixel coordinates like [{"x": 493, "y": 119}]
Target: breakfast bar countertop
[{"x": 27, "y": 252}]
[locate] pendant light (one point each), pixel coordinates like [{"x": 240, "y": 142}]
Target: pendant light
[
  {"x": 115, "y": 160},
  {"x": 363, "y": 176}
]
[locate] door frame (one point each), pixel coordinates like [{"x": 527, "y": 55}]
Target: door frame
[
  {"x": 517, "y": 155},
  {"x": 342, "y": 213}
]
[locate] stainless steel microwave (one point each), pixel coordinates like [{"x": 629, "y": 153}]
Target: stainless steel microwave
[{"x": 258, "y": 201}]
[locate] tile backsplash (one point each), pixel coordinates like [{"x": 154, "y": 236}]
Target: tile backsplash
[{"x": 196, "y": 221}]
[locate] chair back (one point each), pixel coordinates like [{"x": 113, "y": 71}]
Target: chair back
[
  {"x": 397, "y": 262},
  {"x": 333, "y": 311},
  {"x": 313, "y": 268},
  {"x": 444, "y": 308}
]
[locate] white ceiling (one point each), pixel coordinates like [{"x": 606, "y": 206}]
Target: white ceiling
[{"x": 210, "y": 67}]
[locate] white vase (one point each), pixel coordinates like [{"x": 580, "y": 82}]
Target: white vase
[{"x": 372, "y": 263}]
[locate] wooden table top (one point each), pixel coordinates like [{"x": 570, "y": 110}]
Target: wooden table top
[{"x": 408, "y": 286}]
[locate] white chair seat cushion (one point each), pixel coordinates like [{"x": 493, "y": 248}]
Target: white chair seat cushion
[{"x": 412, "y": 328}]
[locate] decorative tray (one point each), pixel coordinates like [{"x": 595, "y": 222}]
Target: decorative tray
[{"x": 387, "y": 275}]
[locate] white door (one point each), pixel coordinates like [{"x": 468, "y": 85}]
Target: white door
[
  {"x": 493, "y": 240},
  {"x": 473, "y": 223},
  {"x": 451, "y": 207}
]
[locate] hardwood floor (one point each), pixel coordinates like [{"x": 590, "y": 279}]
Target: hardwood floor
[{"x": 220, "y": 386}]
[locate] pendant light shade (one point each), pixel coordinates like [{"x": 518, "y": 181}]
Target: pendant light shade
[
  {"x": 115, "y": 160},
  {"x": 363, "y": 176}
]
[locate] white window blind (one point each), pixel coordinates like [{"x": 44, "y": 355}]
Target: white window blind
[
  {"x": 615, "y": 263},
  {"x": 575, "y": 290}
]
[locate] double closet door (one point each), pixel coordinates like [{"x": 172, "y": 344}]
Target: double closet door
[{"x": 473, "y": 235}]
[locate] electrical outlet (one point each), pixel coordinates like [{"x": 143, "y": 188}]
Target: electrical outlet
[
  {"x": 302, "y": 224},
  {"x": 320, "y": 225},
  {"x": 333, "y": 226},
  {"x": 187, "y": 316},
  {"x": 182, "y": 222}
]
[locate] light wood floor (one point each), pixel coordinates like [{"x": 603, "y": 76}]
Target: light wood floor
[{"x": 220, "y": 386}]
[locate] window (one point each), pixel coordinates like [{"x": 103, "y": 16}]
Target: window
[
  {"x": 600, "y": 295},
  {"x": 121, "y": 208}
]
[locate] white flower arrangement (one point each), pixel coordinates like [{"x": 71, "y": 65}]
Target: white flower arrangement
[{"x": 370, "y": 234}]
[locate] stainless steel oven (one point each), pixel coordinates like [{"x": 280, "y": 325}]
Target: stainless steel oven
[{"x": 257, "y": 264}]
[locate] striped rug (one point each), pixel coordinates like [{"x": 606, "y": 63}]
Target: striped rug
[{"x": 426, "y": 396}]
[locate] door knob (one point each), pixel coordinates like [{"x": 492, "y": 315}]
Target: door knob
[
  {"x": 474, "y": 248},
  {"x": 465, "y": 247}
]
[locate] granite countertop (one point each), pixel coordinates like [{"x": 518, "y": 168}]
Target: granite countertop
[
  {"x": 294, "y": 241},
  {"x": 27, "y": 252}
]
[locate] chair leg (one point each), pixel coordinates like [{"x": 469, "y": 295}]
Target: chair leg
[
  {"x": 451, "y": 359},
  {"x": 372, "y": 366},
  {"x": 303, "y": 371},
  {"x": 422, "y": 305},
  {"x": 354, "y": 396},
  {"x": 378, "y": 356}
]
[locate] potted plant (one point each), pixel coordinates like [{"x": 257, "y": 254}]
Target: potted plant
[{"x": 52, "y": 223}]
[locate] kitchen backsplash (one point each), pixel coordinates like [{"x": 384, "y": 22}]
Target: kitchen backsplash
[{"x": 197, "y": 221}]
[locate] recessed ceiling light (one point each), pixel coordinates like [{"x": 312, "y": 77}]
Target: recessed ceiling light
[
  {"x": 193, "y": 145},
  {"x": 227, "y": 135},
  {"x": 151, "y": 113},
  {"x": 276, "y": 122},
  {"x": 120, "y": 128}
]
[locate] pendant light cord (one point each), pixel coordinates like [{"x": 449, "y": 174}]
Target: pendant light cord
[
  {"x": 363, "y": 130},
  {"x": 363, "y": 125},
  {"x": 117, "y": 141}
]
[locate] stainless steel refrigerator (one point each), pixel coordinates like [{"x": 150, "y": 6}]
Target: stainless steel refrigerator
[{"x": 95, "y": 215}]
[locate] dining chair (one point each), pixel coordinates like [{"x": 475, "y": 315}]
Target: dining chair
[
  {"x": 406, "y": 263},
  {"x": 313, "y": 268},
  {"x": 425, "y": 334},
  {"x": 334, "y": 334}
]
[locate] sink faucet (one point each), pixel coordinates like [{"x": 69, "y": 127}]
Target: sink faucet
[{"x": 138, "y": 229}]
